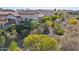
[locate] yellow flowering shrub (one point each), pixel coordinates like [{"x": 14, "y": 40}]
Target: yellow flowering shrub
[
  {"x": 40, "y": 43},
  {"x": 72, "y": 21}
]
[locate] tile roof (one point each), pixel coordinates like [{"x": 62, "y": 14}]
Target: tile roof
[{"x": 8, "y": 12}]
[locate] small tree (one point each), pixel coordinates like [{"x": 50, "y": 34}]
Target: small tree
[{"x": 40, "y": 43}]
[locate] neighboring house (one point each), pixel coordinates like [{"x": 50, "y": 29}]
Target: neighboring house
[
  {"x": 19, "y": 19},
  {"x": 26, "y": 16},
  {"x": 44, "y": 12},
  {"x": 11, "y": 17},
  {"x": 7, "y": 18}
]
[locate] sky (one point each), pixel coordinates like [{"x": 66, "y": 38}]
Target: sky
[{"x": 40, "y": 4}]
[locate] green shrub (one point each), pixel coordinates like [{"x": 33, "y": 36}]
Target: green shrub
[
  {"x": 45, "y": 18},
  {"x": 11, "y": 27},
  {"x": 33, "y": 24},
  {"x": 13, "y": 46},
  {"x": 54, "y": 17},
  {"x": 60, "y": 31},
  {"x": 56, "y": 25},
  {"x": 1, "y": 32},
  {"x": 49, "y": 23},
  {"x": 2, "y": 41},
  {"x": 40, "y": 43}
]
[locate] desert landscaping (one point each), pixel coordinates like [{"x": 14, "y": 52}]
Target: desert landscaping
[{"x": 39, "y": 30}]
